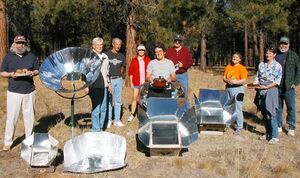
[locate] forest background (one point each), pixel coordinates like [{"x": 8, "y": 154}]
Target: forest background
[{"x": 213, "y": 29}]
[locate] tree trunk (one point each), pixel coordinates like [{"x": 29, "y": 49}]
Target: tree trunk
[
  {"x": 3, "y": 32},
  {"x": 203, "y": 52},
  {"x": 298, "y": 39},
  {"x": 246, "y": 45},
  {"x": 130, "y": 39},
  {"x": 255, "y": 44},
  {"x": 261, "y": 45}
]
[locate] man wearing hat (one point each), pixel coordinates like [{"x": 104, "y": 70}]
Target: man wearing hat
[
  {"x": 19, "y": 66},
  {"x": 290, "y": 63},
  {"x": 182, "y": 59}
]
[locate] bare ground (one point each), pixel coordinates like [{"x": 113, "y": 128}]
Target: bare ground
[{"x": 209, "y": 156}]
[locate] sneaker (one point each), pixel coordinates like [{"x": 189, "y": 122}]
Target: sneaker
[
  {"x": 291, "y": 132},
  {"x": 6, "y": 148},
  {"x": 131, "y": 117},
  {"x": 274, "y": 141},
  {"x": 109, "y": 124},
  {"x": 237, "y": 132},
  {"x": 279, "y": 129},
  {"x": 263, "y": 137},
  {"x": 119, "y": 124}
]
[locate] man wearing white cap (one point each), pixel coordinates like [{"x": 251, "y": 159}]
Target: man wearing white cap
[
  {"x": 19, "y": 66},
  {"x": 137, "y": 76},
  {"x": 290, "y": 63}
]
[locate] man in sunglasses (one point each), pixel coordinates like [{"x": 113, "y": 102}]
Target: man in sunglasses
[
  {"x": 19, "y": 66},
  {"x": 290, "y": 63},
  {"x": 182, "y": 59}
]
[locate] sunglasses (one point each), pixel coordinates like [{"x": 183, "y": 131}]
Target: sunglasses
[
  {"x": 20, "y": 43},
  {"x": 284, "y": 43},
  {"x": 177, "y": 41},
  {"x": 141, "y": 50}
]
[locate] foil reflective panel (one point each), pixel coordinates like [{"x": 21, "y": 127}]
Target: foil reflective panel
[
  {"x": 94, "y": 152},
  {"x": 214, "y": 107},
  {"x": 164, "y": 108},
  {"x": 188, "y": 127},
  {"x": 40, "y": 149},
  {"x": 213, "y": 95},
  {"x": 163, "y": 120},
  {"x": 70, "y": 69}
]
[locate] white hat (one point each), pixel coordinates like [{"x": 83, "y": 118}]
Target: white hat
[
  {"x": 284, "y": 39},
  {"x": 141, "y": 47}
]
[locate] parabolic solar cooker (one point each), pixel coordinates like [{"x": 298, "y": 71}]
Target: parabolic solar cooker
[{"x": 68, "y": 72}]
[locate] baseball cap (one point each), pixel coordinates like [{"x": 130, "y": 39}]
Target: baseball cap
[
  {"x": 284, "y": 39},
  {"x": 141, "y": 47},
  {"x": 178, "y": 37},
  {"x": 19, "y": 38}
]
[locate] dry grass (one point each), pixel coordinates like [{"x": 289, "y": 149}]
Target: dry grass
[{"x": 209, "y": 156}]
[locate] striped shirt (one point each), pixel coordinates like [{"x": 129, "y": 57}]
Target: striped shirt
[{"x": 142, "y": 71}]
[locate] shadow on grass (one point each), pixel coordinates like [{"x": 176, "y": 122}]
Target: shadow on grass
[
  {"x": 47, "y": 122},
  {"x": 43, "y": 126},
  {"x": 251, "y": 120},
  {"x": 81, "y": 120}
]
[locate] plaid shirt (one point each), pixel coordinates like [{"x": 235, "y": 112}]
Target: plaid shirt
[{"x": 292, "y": 69}]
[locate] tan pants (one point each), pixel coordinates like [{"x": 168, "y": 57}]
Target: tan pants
[{"x": 14, "y": 103}]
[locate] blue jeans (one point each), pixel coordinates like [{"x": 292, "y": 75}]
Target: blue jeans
[
  {"x": 183, "y": 79},
  {"x": 115, "y": 99},
  {"x": 289, "y": 97},
  {"x": 99, "y": 107},
  {"x": 270, "y": 125},
  {"x": 238, "y": 94}
]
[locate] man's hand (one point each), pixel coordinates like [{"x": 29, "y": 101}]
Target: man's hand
[
  {"x": 86, "y": 90},
  {"x": 110, "y": 88},
  {"x": 13, "y": 75},
  {"x": 31, "y": 73},
  {"x": 180, "y": 64},
  {"x": 263, "y": 87}
]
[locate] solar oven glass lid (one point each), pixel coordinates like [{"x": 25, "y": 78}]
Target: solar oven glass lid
[
  {"x": 212, "y": 95},
  {"x": 161, "y": 106},
  {"x": 70, "y": 69}
]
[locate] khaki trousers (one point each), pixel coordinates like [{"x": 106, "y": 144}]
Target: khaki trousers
[{"x": 14, "y": 103}]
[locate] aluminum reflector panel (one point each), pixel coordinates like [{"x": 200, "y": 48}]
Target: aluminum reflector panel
[
  {"x": 75, "y": 64},
  {"x": 94, "y": 152},
  {"x": 213, "y": 95},
  {"x": 165, "y": 124},
  {"x": 214, "y": 107},
  {"x": 40, "y": 149},
  {"x": 165, "y": 108}
]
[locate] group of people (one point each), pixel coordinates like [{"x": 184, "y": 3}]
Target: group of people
[
  {"x": 105, "y": 93},
  {"x": 276, "y": 81}
]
